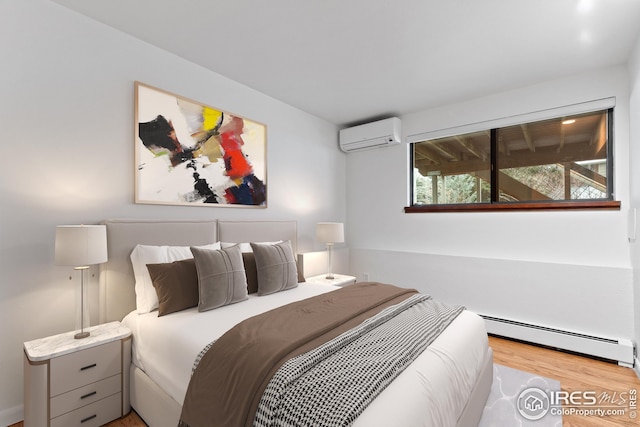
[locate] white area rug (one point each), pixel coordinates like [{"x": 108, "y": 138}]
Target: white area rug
[{"x": 517, "y": 399}]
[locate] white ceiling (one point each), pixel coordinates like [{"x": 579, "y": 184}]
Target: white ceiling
[{"x": 349, "y": 61}]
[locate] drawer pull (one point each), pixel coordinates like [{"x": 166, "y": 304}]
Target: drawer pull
[
  {"x": 93, "y": 393},
  {"x": 88, "y": 418},
  {"x": 84, "y": 368}
]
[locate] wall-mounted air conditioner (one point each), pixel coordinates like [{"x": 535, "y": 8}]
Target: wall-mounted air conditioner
[{"x": 371, "y": 135}]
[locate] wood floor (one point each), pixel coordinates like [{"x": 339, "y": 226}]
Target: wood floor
[{"x": 575, "y": 373}]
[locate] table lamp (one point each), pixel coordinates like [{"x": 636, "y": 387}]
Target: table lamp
[
  {"x": 81, "y": 246},
  {"x": 330, "y": 233}
]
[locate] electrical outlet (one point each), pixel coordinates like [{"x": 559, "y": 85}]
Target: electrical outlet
[{"x": 365, "y": 277}]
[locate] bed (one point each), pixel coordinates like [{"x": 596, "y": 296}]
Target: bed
[{"x": 447, "y": 384}]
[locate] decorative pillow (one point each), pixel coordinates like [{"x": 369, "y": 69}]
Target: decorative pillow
[
  {"x": 251, "y": 271},
  {"x": 221, "y": 277},
  {"x": 301, "y": 278},
  {"x": 276, "y": 267},
  {"x": 146, "y": 296},
  {"x": 176, "y": 284}
]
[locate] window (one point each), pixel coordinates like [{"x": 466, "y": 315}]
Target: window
[{"x": 554, "y": 161}]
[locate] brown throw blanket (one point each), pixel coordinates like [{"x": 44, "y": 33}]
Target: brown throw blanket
[{"x": 228, "y": 382}]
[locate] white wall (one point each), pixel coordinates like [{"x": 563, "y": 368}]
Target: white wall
[
  {"x": 66, "y": 102},
  {"x": 567, "y": 270},
  {"x": 634, "y": 159}
]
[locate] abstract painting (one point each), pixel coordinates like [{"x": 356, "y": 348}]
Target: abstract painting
[{"x": 188, "y": 153}]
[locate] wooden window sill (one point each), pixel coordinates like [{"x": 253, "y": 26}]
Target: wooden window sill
[{"x": 535, "y": 206}]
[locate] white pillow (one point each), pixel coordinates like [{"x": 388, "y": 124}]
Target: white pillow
[
  {"x": 146, "y": 296},
  {"x": 246, "y": 247}
]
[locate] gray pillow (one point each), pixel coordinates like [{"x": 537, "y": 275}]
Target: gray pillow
[
  {"x": 276, "y": 267},
  {"x": 221, "y": 277}
]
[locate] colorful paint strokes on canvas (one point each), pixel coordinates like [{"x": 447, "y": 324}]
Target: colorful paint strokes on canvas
[{"x": 189, "y": 153}]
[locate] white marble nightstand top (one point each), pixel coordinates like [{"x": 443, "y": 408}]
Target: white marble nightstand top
[
  {"x": 338, "y": 279},
  {"x": 58, "y": 345}
]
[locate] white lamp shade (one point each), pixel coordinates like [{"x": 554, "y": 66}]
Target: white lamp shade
[
  {"x": 81, "y": 245},
  {"x": 330, "y": 232}
]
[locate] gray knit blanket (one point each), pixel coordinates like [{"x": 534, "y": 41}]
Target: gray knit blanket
[{"x": 333, "y": 384}]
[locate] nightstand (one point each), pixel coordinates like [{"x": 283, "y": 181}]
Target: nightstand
[
  {"x": 77, "y": 382},
  {"x": 338, "y": 280}
]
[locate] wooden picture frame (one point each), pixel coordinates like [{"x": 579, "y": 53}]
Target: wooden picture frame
[{"x": 188, "y": 153}]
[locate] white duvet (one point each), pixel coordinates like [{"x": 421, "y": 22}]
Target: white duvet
[{"x": 432, "y": 391}]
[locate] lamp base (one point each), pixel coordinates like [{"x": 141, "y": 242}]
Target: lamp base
[
  {"x": 329, "y": 277},
  {"x": 81, "y": 335}
]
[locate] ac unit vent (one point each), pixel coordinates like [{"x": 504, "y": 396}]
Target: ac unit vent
[{"x": 371, "y": 135}]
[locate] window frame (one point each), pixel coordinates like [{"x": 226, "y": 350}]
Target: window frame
[{"x": 608, "y": 203}]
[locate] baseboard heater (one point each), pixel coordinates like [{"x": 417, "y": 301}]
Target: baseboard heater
[{"x": 620, "y": 350}]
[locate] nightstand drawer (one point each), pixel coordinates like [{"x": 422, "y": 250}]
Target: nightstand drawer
[
  {"x": 94, "y": 415},
  {"x": 86, "y": 395},
  {"x": 59, "y": 392},
  {"x": 84, "y": 367}
]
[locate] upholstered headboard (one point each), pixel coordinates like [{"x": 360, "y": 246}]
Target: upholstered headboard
[
  {"x": 258, "y": 231},
  {"x": 117, "y": 283}
]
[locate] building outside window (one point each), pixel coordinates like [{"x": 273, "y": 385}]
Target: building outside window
[{"x": 568, "y": 158}]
